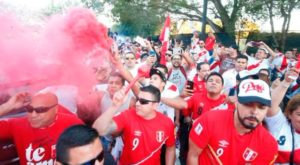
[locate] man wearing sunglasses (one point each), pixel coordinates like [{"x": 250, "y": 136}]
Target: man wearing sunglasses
[
  {"x": 35, "y": 135},
  {"x": 80, "y": 145},
  {"x": 143, "y": 129}
]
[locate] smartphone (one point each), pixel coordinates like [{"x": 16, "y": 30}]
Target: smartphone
[
  {"x": 190, "y": 84},
  {"x": 255, "y": 44},
  {"x": 231, "y": 92}
]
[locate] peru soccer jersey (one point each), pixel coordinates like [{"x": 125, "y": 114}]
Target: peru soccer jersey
[
  {"x": 281, "y": 130},
  {"x": 36, "y": 145},
  {"x": 215, "y": 133},
  {"x": 199, "y": 85},
  {"x": 199, "y": 103},
  {"x": 143, "y": 138}
]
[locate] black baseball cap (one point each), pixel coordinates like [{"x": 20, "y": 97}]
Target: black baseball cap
[{"x": 159, "y": 73}]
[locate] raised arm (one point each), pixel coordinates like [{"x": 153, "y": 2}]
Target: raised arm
[
  {"x": 17, "y": 101},
  {"x": 104, "y": 123},
  {"x": 279, "y": 92},
  {"x": 187, "y": 57},
  {"x": 124, "y": 72},
  {"x": 271, "y": 52}
]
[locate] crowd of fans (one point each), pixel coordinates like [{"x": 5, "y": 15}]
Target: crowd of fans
[{"x": 213, "y": 104}]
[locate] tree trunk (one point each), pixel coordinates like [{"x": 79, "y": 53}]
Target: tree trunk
[
  {"x": 283, "y": 33},
  {"x": 229, "y": 28},
  {"x": 270, "y": 6},
  {"x": 286, "y": 23}
]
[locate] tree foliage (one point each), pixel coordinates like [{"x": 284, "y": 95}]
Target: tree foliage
[
  {"x": 136, "y": 17},
  {"x": 132, "y": 11},
  {"x": 271, "y": 9}
]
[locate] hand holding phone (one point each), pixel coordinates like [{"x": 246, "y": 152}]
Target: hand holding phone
[
  {"x": 255, "y": 44},
  {"x": 190, "y": 85}
]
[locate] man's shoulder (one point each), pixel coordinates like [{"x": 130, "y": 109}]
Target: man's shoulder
[
  {"x": 218, "y": 116},
  {"x": 163, "y": 118},
  {"x": 19, "y": 121},
  {"x": 265, "y": 135},
  {"x": 68, "y": 118}
]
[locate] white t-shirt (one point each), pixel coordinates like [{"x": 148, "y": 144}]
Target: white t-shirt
[
  {"x": 229, "y": 77},
  {"x": 280, "y": 128},
  {"x": 170, "y": 91}
]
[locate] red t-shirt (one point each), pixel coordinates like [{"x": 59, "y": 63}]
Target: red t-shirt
[
  {"x": 199, "y": 103},
  {"x": 209, "y": 43},
  {"x": 142, "y": 138},
  {"x": 216, "y": 130},
  {"x": 36, "y": 145},
  {"x": 199, "y": 85}
]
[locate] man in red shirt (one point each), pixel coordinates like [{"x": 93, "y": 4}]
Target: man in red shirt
[
  {"x": 143, "y": 129},
  {"x": 210, "y": 42},
  {"x": 235, "y": 137},
  {"x": 36, "y": 134},
  {"x": 203, "y": 102},
  {"x": 200, "y": 103},
  {"x": 199, "y": 77}
]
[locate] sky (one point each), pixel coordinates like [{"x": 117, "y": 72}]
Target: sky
[{"x": 35, "y": 5}]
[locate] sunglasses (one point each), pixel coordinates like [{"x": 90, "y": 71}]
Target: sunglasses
[
  {"x": 99, "y": 157},
  {"x": 30, "y": 109},
  {"x": 144, "y": 101},
  {"x": 169, "y": 55},
  {"x": 129, "y": 58}
]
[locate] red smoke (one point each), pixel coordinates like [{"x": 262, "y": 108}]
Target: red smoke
[{"x": 57, "y": 53}]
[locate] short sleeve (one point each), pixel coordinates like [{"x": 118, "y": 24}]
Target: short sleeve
[
  {"x": 6, "y": 130},
  {"x": 171, "y": 133},
  {"x": 199, "y": 133}
]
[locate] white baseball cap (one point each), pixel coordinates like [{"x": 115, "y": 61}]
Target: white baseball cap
[{"x": 254, "y": 91}]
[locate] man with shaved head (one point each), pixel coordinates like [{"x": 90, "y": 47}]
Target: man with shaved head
[{"x": 35, "y": 134}]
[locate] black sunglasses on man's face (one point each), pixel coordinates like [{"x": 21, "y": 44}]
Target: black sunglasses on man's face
[{"x": 99, "y": 157}]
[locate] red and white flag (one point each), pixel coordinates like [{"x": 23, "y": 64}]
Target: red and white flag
[
  {"x": 280, "y": 63},
  {"x": 164, "y": 38}
]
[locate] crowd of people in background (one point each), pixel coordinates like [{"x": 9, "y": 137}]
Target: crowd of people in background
[{"x": 205, "y": 103}]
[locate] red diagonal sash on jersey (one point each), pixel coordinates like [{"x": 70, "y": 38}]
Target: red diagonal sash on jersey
[{"x": 152, "y": 153}]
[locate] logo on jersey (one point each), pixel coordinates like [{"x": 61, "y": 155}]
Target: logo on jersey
[
  {"x": 160, "y": 135},
  {"x": 198, "y": 129},
  {"x": 223, "y": 143},
  {"x": 137, "y": 133},
  {"x": 249, "y": 154}
]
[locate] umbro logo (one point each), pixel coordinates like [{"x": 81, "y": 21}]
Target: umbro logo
[
  {"x": 137, "y": 133},
  {"x": 223, "y": 143}
]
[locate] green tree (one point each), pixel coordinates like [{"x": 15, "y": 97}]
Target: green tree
[
  {"x": 60, "y": 6},
  {"x": 269, "y": 10},
  {"x": 136, "y": 17},
  {"x": 228, "y": 12}
]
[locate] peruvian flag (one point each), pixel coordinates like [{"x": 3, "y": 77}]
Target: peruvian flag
[
  {"x": 280, "y": 63},
  {"x": 164, "y": 38}
]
